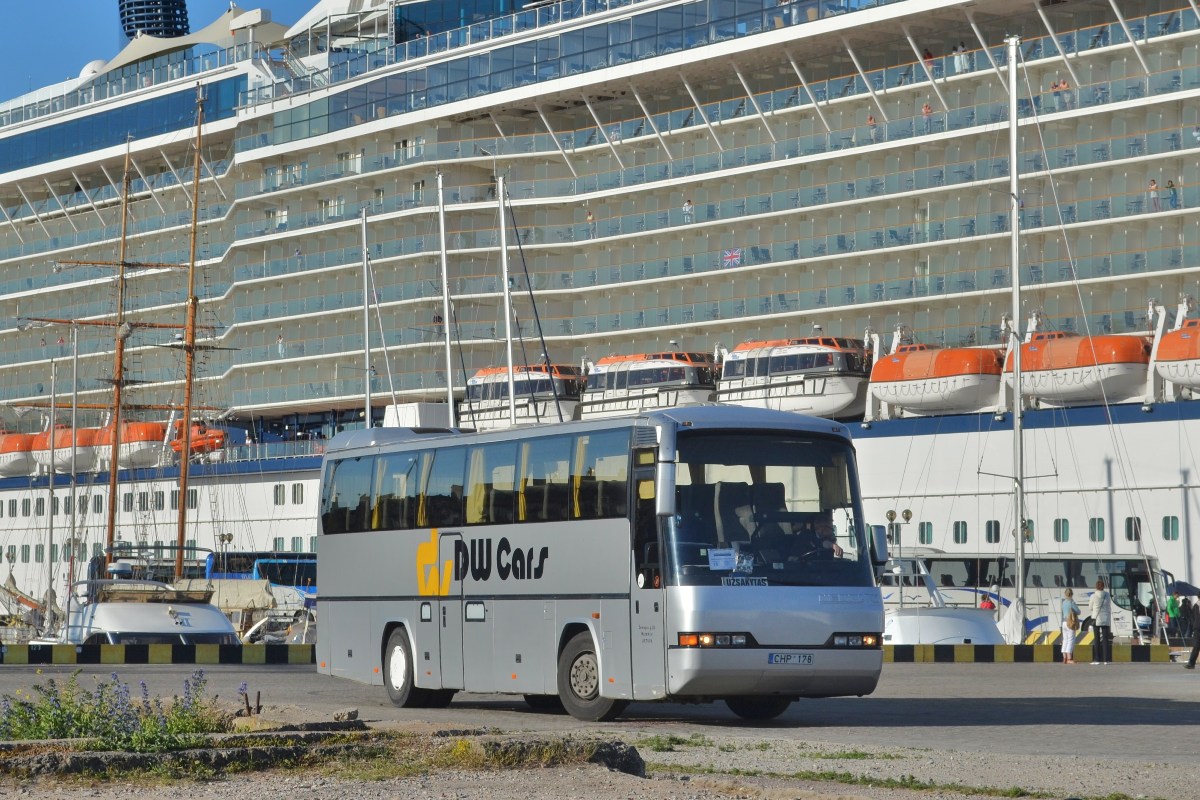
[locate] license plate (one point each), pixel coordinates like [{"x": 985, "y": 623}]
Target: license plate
[{"x": 789, "y": 658}]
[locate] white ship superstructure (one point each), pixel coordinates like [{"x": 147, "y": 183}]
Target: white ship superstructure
[{"x": 690, "y": 173}]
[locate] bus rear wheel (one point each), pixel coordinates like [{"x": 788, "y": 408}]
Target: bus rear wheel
[
  {"x": 758, "y": 708},
  {"x": 579, "y": 682},
  {"x": 398, "y": 673}
]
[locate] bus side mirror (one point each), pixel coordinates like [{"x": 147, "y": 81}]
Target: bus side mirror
[
  {"x": 664, "y": 489},
  {"x": 879, "y": 544}
]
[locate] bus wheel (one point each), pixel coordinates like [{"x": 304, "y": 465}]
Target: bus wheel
[
  {"x": 398, "y": 673},
  {"x": 579, "y": 683},
  {"x": 758, "y": 708},
  {"x": 545, "y": 702}
]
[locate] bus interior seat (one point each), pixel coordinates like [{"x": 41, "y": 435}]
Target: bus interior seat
[
  {"x": 614, "y": 498},
  {"x": 768, "y": 500},
  {"x": 556, "y": 502},
  {"x": 587, "y": 497},
  {"x": 1037, "y": 581},
  {"x": 730, "y": 496},
  {"x": 501, "y": 507},
  {"x": 694, "y": 507},
  {"x": 947, "y": 579}
]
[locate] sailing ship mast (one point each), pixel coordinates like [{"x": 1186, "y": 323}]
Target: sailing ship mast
[
  {"x": 1018, "y": 607},
  {"x": 189, "y": 347}
]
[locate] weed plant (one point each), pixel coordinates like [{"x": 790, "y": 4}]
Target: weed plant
[{"x": 110, "y": 718}]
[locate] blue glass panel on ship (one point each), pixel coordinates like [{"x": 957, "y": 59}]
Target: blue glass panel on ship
[
  {"x": 415, "y": 20},
  {"x": 603, "y": 44},
  {"x": 173, "y": 112}
]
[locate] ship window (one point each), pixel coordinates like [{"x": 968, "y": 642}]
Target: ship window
[
  {"x": 54, "y": 503},
  {"x": 25, "y": 507},
  {"x": 297, "y": 543},
  {"x": 925, "y": 533},
  {"x": 1170, "y": 529},
  {"x": 25, "y": 549},
  {"x": 1061, "y": 530},
  {"x": 158, "y": 548},
  {"x": 991, "y": 531},
  {"x": 312, "y": 544},
  {"x": 68, "y": 505},
  {"x": 1133, "y": 529},
  {"x": 960, "y": 532},
  {"x": 39, "y": 553},
  {"x": 97, "y": 550},
  {"x": 297, "y": 494},
  {"x": 39, "y": 507},
  {"x": 1096, "y": 529},
  {"x": 53, "y": 553},
  {"x": 97, "y": 504},
  {"x": 143, "y": 501},
  {"x": 190, "y": 544},
  {"x": 277, "y": 544},
  {"x": 11, "y": 553},
  {"x": 12, "y": 508},
  {"x": 127, "y": 501},
  {"x": 160, "y": 500},
  {"x": 280, "y": 494},
  {"x": 893, "y": 532}
]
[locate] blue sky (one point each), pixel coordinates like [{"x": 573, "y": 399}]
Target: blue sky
[{"x": 40, "y": 51}]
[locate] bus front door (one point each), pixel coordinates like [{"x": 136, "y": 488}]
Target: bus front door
[
  {"x": 449, "y": 617},
  {"x": 647, "y": 598}
]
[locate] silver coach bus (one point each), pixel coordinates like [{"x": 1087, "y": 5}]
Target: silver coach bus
[{"x": 689, "y": 555}]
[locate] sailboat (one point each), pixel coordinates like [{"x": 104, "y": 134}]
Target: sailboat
[{"x": 124, "y": 607}]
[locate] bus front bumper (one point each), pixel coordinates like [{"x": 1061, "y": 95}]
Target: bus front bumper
[{"x": 797, "y": 672}]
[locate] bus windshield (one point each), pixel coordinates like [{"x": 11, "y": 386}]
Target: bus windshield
[{"x": 766, "y": 510}]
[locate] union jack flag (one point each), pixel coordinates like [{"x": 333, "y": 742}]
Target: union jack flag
[{"x": 732, "y": 258}]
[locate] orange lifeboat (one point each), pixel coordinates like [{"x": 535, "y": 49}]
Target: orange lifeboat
[
  {"x": 927, "y": 379},
  {"x": 1178, "y": 358},
  {"x": 16, "y": 454},
  {"x": 141, "y": 443},
  {"x": 204, "y": 440},
  {"x": 64, "y": 449},
  {"x": 1063, "y": 368}
]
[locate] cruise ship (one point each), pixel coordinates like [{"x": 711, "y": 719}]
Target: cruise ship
[{"x": 679, "y": 177}]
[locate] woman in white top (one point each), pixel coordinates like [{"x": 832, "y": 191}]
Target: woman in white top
[
  {"x": 1100, "y": 608},
  {"x": 1068, "y": 631}
]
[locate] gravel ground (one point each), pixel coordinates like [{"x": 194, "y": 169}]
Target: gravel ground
[{"x": 674, "y": 775}]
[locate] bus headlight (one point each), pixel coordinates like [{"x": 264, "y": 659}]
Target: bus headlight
[
  {"x": 713, "y": 639},
  {"x": 855, "y": 640}
]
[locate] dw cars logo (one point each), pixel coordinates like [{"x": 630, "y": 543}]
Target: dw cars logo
[{"x": 475, "y": 557}]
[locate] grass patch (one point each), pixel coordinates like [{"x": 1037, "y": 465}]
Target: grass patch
[
  {"x": 853, "y": 755},
  {"x": 669, "y": 743}
]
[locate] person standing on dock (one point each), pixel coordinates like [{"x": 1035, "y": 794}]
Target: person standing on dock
[
  {"x": 1100, "y": 608},
  {"x": 1070, "y": 624},
  {"x": 1195, "y": 620}
]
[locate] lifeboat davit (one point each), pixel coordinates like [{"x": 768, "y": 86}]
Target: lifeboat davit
[
  {"x": 16, "y": 454},
  {"x": 938, "y": 380},
  {"x": 204, "y": 440},
  {"x": 1178, "y": 358},
  {"x": 1066, "y": 368},
  {"x": 821, "y": 375},
  {"x": 59, "y": 454},
  {"x": 141, "y": 443}
]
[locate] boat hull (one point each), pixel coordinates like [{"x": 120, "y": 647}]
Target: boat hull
[
  {"x": 818, "y": 395},
  {"x": 597, "y": 405}
]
